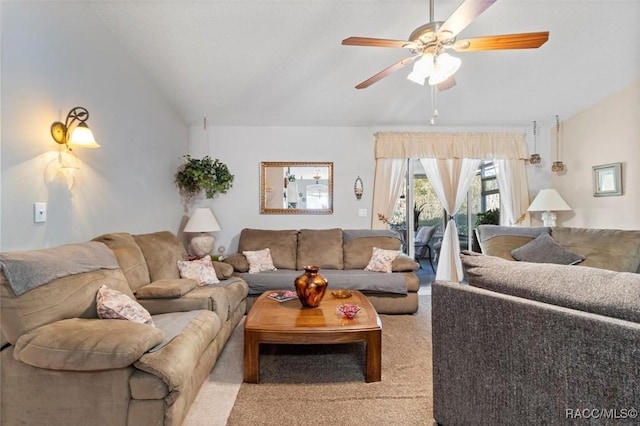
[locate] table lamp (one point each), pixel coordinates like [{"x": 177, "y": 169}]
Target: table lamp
[
  {"x": 547, "y": 201},
  {"x": 202, "y": 221}
]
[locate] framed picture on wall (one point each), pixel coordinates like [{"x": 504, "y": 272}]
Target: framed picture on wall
[{"x": 607, "y": 180}]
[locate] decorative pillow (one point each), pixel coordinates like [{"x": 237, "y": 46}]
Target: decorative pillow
[
  {"x": 201, "y": 270},
  {"x": 259, "y": 261},
  {"x": 111, "y": 304},
  {"x": 544, "y": 249},
  {"x": 381, "y": 260}
]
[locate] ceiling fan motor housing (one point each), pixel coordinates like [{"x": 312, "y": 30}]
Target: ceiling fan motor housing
[{"x": 427, "y": 38}]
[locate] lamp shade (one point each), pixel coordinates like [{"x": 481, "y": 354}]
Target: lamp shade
[
  {"x": 202, "y": 220},
  {"x": 83, "y": 136},
  {"x": 548, "y": 200}
]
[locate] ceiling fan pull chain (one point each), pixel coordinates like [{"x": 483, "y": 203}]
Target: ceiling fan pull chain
[{"x": 434, "y": 100}]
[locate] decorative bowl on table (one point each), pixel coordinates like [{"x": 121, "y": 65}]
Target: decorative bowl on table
[
  {"x": 348, "y": 311},
  {"x": 341, "y": 294}
]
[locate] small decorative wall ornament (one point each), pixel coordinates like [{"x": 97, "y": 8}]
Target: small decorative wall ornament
[
  {"x": 358, "y": 188},
  {"x": 557, "y": 166},
  {"x": 535, "y": 158}
]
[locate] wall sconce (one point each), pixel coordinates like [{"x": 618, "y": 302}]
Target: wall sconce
[
  {"x": 535, "y": 158},
  {"x": 80, "y": 136},
  {"x": 358, "y": 188}
]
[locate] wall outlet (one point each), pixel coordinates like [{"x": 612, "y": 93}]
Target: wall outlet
[{"x": 39, "y": 212}]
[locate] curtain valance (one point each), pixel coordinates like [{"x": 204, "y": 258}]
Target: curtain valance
[{"x": 450, "y": 145}]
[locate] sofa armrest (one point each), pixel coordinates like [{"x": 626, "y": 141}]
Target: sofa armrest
[
  {"x": 166, "y": 289},
  {"x": 238, "y": 261},
  {"x": 404, "y": 263},
  {"x": 81, "y": 344},
  {"x": 501, "y": 359}
]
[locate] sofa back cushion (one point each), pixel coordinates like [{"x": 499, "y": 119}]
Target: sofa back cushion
[
  {"x": 161, "y": 251},
  {"x": 358, "y": 245},
  {"x": 497, "y": 240},
  {"x": 320, "y": 247},
  {"x": 72, "y": 296},
  {"x": 282, "y": 244},
  {"x": 612, "y": 249},
  {"x": 130, "y": 258},
  {"x": 614, "y": 294}
]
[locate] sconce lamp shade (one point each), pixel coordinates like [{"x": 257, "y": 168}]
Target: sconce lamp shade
[
  {"x": 547, "y": 201},
  {"x": 202, "y": 220},
  {"x": 81, "y": 135}
]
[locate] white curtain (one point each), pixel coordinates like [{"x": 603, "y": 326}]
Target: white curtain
[
  {"x": 387, "y": 188},
  {"x": 514, "y": 192},
  {"x": 450, "y": 179}
]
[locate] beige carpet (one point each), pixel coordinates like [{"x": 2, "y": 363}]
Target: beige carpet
[{"x": 324, "y": 384}]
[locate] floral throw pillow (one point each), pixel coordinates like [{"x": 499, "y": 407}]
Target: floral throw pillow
[
  {"x": 259, "y": 261},
  {"x": 201, "y": 270},
  {"x": 381, "y": 260},
  {"x": 112, "y": 304}
]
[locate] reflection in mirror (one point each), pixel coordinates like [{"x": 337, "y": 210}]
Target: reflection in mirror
[{"x": 296, "y": 188}]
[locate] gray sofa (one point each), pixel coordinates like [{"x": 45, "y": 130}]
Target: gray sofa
[
  {"x": 342, "y": 256},
  {"x": 532, "y": 343},
  {"x": 62, "y": 365}
]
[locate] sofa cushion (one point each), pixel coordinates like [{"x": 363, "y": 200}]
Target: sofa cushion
[
  {"x": 500, "y": 241},
  {"x": 545, "y": 250},
  {"x": 67, "y": 297},
  {"x": 112, "y": 304},
  {"x": 80, "y": 344},
  {"x": 259, "y": 260},
  {"x": 613, "y": 249},
  {"x": 283, "y": 245},
  {"x": 166, "y": 289},
  {"x": 614, "y": 294},
  {"x": 161, "y": 250},
  {"x": 359, "y": 243},
  {"x": 320, "y": 247},
  {"x": 130, "y": 257},
  {"x": 200, "y": 270},
  {"x": 381, "y": 260}
]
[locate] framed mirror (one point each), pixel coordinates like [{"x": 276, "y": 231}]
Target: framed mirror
[{"x": 296, "y": 187}]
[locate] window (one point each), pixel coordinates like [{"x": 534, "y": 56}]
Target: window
[{"x": 483, "y": 195}]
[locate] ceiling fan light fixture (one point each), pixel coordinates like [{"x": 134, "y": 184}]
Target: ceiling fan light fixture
[
  {"x": 422, "y": 69},
  {"x": 445, "y": 66}
]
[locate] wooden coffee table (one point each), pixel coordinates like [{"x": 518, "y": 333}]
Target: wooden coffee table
[{"x": 270, "y": 321}]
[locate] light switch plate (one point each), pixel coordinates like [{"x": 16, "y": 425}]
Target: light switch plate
[
  {"x": 362, "y": 212},
  {"x": 39, "y": 212}
]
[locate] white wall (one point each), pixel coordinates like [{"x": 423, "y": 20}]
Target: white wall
[
  {"x": 58, "y": 56},
  {"x": 607, "y": 132}
]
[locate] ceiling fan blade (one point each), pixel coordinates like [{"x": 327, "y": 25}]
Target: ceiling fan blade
[
  {"x": 446, "y": 85},
  {"x": 385, "y": 72},
  {"x": 374, "y": 42},
  {"x": 505, "y": 41},
  {"x": 464, "y": 15}
]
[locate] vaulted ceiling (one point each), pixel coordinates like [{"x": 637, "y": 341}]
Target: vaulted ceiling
[{"x": 281, "y": 62}]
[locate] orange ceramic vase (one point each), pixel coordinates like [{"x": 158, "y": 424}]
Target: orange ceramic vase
[{"x": 310, "y": 287}]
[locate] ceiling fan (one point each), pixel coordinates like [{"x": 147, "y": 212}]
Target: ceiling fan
[{"x": 429, "y": 43}]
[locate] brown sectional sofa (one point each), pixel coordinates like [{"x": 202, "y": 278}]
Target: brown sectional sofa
[
  {"x": 61, "y": 365},
  {"x": 341, "y": 255}
]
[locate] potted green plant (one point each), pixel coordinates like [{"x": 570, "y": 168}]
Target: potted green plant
[
  {"x": 209, "y": 175},
  {"x": 490, "y": 217}
]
